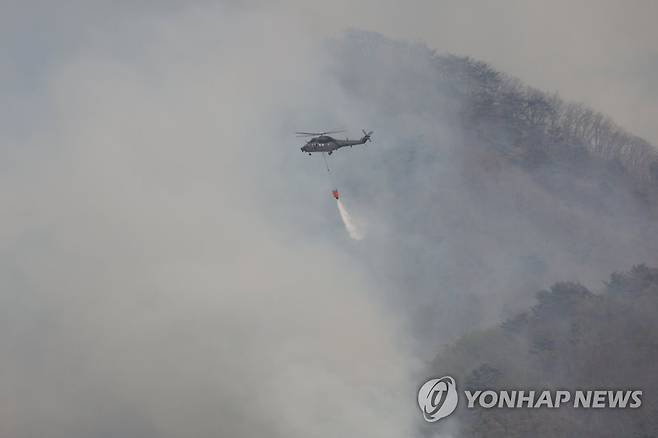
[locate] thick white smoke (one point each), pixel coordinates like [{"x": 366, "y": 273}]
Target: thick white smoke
[
  {"x": 355, "y": 232},
  {"x": 152, "y": 286}
]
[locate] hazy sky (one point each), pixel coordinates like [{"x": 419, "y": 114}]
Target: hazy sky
[{"x": 603, "y": 53}]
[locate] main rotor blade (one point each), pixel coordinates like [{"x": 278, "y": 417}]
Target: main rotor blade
[{"x": 303, "y": 133}]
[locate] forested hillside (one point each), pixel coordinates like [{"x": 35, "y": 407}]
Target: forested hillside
[
  {"x": 538, "y": 127},
  {"x": 572, "y": 338},
  {"x": 479, "y": 190},
  {"x": 486, "y": 191},
  {"x": 541, "y": 127}
]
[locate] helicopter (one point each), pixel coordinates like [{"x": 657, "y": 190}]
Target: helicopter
[{"x": 323, "y": 142}]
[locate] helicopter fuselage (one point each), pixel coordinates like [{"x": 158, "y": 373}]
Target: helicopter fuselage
[{"x": 329, "y": 144}]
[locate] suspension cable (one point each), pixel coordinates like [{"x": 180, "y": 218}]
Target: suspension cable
[{"x": 325, "y": 161}]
